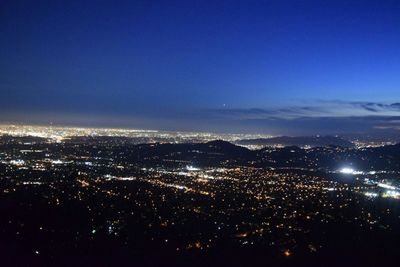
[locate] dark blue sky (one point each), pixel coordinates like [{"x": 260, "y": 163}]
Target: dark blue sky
[{"x": 256, "y": 66}]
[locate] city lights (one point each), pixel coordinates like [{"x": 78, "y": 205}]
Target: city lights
[
  {"x": 350, "y": 171},
  {"x": 210, "y": 193}
]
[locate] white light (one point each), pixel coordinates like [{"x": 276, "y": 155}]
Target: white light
[
  {"x": 392, "y": 193},
  {"x": 18, "y": 162},
  {"x": 347, "y": 171},
  {"x": 350, "y": 171},
  {"x": 191, "y": 168},
  {"x": 386, "y": 186},
  {"x": 370, "y": 194},
  {"x": 330, "y": 189}
]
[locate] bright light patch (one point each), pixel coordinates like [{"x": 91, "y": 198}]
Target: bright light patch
[
  {"x": 392, "y": 194},
  {"x": 350, "y": 171},
  {"x": 347, "y": 171},
  {"x": 191, "y": 168},
  {"x": 386, "y": 186},
  {"x": 370, "y": 194}
]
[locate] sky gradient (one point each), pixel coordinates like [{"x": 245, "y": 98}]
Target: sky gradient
[{"x": 280, "y": 67}]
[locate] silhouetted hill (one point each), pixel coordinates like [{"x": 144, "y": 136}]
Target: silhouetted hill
[
  {"x": 212, "y": 153},
  {"x": 8, "y": 139}
]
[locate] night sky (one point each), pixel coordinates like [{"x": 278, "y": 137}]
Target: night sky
[{"x": 279, "y": 67}]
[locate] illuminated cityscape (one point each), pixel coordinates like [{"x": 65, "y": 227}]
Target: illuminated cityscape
[
  {"x": 96, "y": 191},
  {"x": 199, "y": 133}
]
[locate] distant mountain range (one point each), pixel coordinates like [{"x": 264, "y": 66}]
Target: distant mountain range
[{"x": 300, "y": 141}]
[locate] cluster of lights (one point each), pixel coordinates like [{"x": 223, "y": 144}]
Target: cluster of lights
[
  {"x": 60, "y": 134},
  {"x": 350, "y": 171},
  {"x": 371, "y": 194},
  {"x": 392, "y": 194}
]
